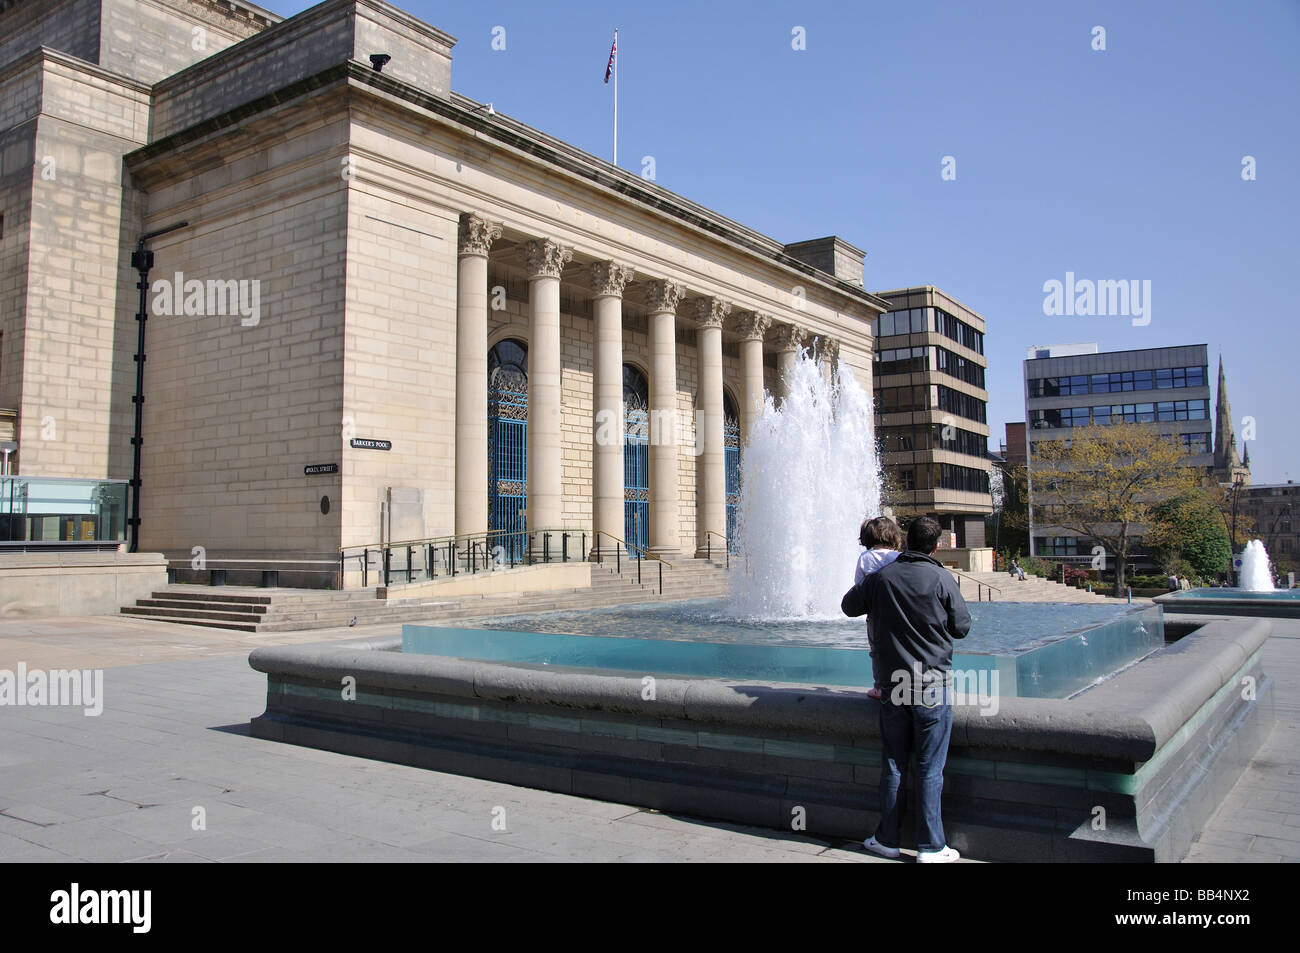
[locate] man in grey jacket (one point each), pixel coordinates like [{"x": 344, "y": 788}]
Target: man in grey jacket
[{"x": 915, "y": 610}]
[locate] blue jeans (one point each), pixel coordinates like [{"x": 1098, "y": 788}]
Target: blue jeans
[{"x": 905, "y": 729}]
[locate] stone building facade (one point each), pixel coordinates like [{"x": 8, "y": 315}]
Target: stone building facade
[{"x": 358, "y": 241}]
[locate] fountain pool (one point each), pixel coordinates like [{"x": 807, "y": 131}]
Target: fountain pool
[
  {"x": 1256, "y": 596},
  {"x": 1037, "y": 650}
]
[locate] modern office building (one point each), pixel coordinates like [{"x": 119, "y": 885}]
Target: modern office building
[
  {"x": 1076, "y": 385},
  {"x": 376, "y": 309},
  {"x": 931, "y": 414}
]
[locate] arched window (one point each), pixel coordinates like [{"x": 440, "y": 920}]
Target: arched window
[{"x": 508, "y": 443}]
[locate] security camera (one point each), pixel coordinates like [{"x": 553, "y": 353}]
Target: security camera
[{"x": 379, "y": 61}]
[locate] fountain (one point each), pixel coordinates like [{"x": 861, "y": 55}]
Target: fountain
[
  {"x": 1254, "y": 596},
  {"x": 809, "y": 476},
  {"x": 1256, "y": 573}
]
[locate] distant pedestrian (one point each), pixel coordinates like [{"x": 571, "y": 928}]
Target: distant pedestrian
[
  {"x": 916, "y": 611},
  {"x": 883, "y": 540}
]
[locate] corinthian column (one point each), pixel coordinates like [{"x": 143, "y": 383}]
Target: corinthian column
[
  {"x": 608, "y": 279},
  {"x": 828, "y": 352},
  {"x": 710, "y": 476},
  {"x": 546, "y": 259},
  {"x": 476, "y": 238},
  {"x": 788, "y": 339},
  {"x": 662, "y": 298},
  {"x": 751, "y": 325}
]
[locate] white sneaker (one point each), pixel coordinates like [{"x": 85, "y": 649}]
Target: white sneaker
[
  {"x": 945, "y": 856},
  {"x": 879, "y": 849}
]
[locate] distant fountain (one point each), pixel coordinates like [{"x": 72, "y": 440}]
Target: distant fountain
[
  {"x": 809, "y": 476},
  {"x": 1256, "y": 574}
]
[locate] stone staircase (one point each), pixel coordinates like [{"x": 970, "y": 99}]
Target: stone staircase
[
  {"x": 1031, "y": 589},
  {"x": 247, "y": 609}
]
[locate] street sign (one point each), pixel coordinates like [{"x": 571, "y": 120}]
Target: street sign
[
  {"x": 367, "y": 443},
  {"x": 315, "y": 468}
]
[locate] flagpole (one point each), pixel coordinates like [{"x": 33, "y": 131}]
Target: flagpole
[{"x": 616, "y": 96}]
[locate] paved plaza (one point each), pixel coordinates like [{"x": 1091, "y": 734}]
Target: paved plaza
[{"x": 172, "y": 749}]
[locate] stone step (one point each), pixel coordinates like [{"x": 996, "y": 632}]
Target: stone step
[
  {"x": 194, "y": 604},
  {"x": 154, "y": 612},
  {"x": 210, "y": 624}
]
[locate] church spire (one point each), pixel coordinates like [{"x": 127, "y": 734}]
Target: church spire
[{"x": 1228, "y": 465}]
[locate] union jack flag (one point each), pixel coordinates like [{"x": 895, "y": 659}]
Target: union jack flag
[{"x": 609, "y": 67}]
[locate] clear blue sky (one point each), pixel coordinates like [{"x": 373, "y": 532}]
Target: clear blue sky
[{"x": 1122, "y": 164}]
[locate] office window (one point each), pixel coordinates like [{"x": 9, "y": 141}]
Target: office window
[{"x": 963, "y": 405}]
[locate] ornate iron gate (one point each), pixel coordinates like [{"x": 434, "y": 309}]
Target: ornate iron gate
[
  {"x": 636, "y": 459},
  {"x": 731, "y": 463},
  {"x": 508, "y": 445}
]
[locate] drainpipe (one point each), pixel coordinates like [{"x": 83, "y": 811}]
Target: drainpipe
[{"x": 141, "y": 261}]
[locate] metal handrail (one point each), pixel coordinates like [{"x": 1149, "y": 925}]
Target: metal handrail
[
  {"x": 708, "y": 546},
  {"x": 476, "y": 543},
  {"x": 978, "y": 583},
  {"x": 424, "y": 541},
  {"x": 618, "y": 562}
]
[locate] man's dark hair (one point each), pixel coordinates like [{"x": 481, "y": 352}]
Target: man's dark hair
[{"x": 923, "y": 535}]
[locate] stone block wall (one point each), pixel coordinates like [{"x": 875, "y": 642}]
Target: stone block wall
[
  {"x": 237, "y": 405},
  {"x": 328, "y": 34},
  {"x": 399, "y": 362},
  {"x": 71, "y": 320},
  {"x": 71, "y": 26}
]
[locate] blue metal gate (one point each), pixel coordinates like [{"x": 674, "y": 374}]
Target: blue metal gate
[
  {"x": 636, "y": 488},
  {"x": 508, "y": 446},
  {"x": 636, "y": 460},
  {"x": 731, "y": 463}
]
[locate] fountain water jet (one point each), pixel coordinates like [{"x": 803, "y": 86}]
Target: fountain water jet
[
  {"x": 810, "y": 474},
  {"x": 1256, "y": 574}
]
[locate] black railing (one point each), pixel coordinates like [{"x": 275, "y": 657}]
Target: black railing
[
  {"x": 415, "y": 560},
  {"x": 708, "y": 546},
  {"x": 641, "y": 556}
]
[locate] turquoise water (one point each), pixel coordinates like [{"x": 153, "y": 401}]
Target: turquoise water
[
  {"x": 1027, "y": 645},
  {"x": 1292, "y": 595},
  {"x": 995, "y": 626}
]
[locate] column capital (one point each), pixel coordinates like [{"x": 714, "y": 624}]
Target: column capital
[
  {"x": 788, "y": 337},
  {"x": 664, "y": 295},
  {"x": 477, "y": 234},
  {"x": 710, "y": 312},
  {"x": 830, "y": 348},
  {"x": 609, "y": 278},
  {"x": 546, "y": 258},
  {"x": 752, "y": 325}
]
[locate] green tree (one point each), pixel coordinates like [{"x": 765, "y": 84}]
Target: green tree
[
  {"x": 1189, "y": 529},
  {"x": 1108, "y": 483}
]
